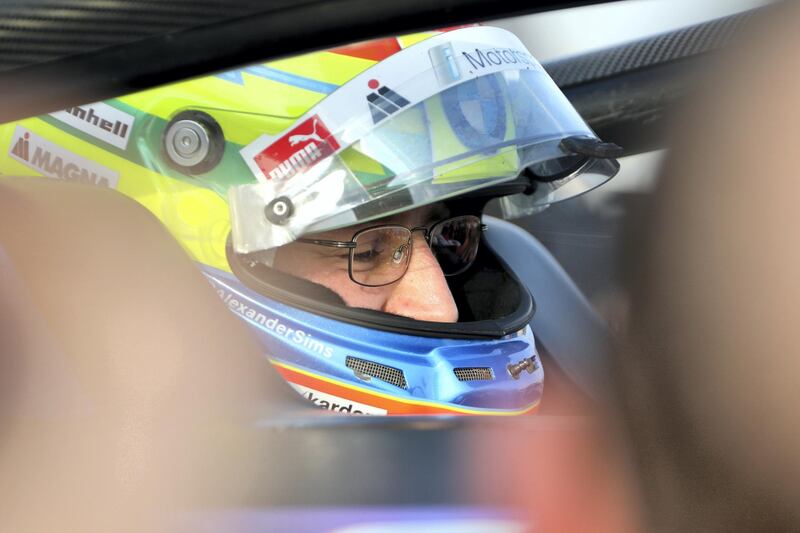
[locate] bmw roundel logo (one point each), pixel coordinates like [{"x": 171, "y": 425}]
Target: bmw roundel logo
[{"x": 476, "y": 111}]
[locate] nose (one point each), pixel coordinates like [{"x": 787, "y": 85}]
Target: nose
[{"x": 422, "y": 293}]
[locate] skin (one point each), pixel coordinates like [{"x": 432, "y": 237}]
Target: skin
[{"x": 422, "y": 293}]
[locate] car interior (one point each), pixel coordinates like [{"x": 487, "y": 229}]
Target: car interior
[{"x": 130, "y": 389}]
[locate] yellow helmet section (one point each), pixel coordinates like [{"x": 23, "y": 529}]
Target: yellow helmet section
[
  {"x": 194, "y": 214},
  {"x": 120, "y": 143},
  {"x": 282, "y": 89}
]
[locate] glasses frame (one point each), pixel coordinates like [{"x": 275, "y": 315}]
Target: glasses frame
[{"x": 351, "y": 244}]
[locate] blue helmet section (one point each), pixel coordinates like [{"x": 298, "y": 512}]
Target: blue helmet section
[{"x": 460, "y": 373}]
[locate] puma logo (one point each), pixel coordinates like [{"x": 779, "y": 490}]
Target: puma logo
[
  {"x": 299, "y": 149},
  {"x": 294, "y": 140}
]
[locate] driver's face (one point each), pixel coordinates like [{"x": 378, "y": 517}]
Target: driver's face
[{"x": 422, "y": 293}]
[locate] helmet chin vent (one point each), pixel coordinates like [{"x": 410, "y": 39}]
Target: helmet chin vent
[
  {"x": 364, "y": 370},
  {"x": 478, "y": 373}
]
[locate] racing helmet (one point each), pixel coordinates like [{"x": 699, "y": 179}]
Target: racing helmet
[{"x": 241, "y": 163}]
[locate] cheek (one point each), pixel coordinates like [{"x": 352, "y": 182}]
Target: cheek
[
  {"x": 303, "y": 263},
  {"x": 331, "y": 276},
  {"x": 354, "y": 295},
  {"x": 291, "y": 260}
]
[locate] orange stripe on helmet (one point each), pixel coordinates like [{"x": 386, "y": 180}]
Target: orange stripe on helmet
[
  {"x": 392, "y": 407},
  {"x": 375, "y": 50},
  {"x": 380, "y": 49}
]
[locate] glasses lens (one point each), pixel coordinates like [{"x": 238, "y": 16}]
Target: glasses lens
[
  {"x": 454, "y": 243},
  {"x": 381, "y": 255}
]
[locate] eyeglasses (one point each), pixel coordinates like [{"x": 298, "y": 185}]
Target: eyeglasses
[{"x": 380, "y": 255}]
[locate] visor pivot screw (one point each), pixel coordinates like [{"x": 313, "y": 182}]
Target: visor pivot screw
[
  {"x": 193, "y": 142},
  {"x": 279, "y": 210},
  {"x": 515, "y": 369}
]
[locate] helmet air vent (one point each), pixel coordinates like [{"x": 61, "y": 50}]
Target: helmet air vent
[
  {"x": 363, "y": 368},
  {"x": 477, "y": 373}
]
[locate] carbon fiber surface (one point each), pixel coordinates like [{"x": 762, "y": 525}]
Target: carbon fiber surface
[
  {"x": 36, "y": 31},
  {"x": 57, "y": 53},
  {"x": 671, "y": 46}
]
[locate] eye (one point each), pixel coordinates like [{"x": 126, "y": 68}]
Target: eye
[
  {"x": 380, "y": 247},
  {"x": 367, "y": 256},
  {"x": 372, "y": 250}
]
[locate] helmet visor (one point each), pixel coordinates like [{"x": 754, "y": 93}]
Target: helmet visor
[{"x": 405, "y": 151}]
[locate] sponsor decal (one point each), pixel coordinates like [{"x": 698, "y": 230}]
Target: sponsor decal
[
  {"x": 335, "y": 403},
  {"x": 294, "y": 335},
  {"x": 383, "y": 101},
  {"x": 399, "y": 81},
  {"x": 101, "y": 121},
  {"x": 483, "y": 58},
  {"x": 54, "y": 161},
  {"x": 301, "y": 148},
  {"x": 445, "y": 66}
]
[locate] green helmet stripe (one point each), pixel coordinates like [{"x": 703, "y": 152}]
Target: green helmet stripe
[{"x": 146, "y": 151}]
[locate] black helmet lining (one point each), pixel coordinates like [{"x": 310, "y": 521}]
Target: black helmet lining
[{"x": 491, "y": 300}]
